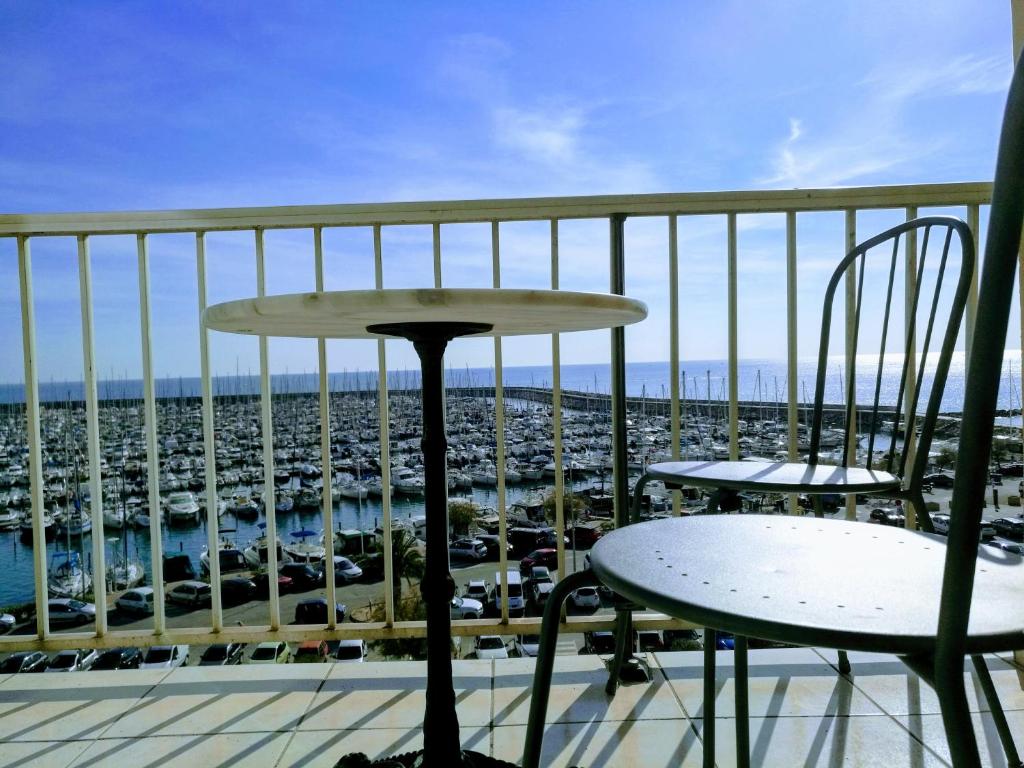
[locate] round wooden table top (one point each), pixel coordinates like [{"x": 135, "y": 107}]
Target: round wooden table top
[{"x": 348, "y": 314}]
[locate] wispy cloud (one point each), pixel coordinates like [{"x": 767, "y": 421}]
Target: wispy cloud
[
  {"x": 549, "y": 136},
  {"x": 960, "y": 75}
]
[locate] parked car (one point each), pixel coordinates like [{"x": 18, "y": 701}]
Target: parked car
[
  {"x": 118, "y": 658},
  {"x": 682, "y": 640},
  {"x": 941, "y": 524},
  {"x": 547, "y": 557},
  {"x": 648, "y": 640},
  {"x": 165, "y": 657},
  {"x": 270, "y": 653},
  {"x": 492, "y": 542},
  {"x": 939, "y": 480},
  {"x": 490, "y": 647},
  {"x": 586, "y": 597},
  {"x": 191, "y": 594},
  {"x": 466, "y": 608},
  {"x": 539, "y": 574},
  {"x": 138, "y": 600},
  {"x": 222, "y": 655},
  {"x": 7, "y": 623},
  {"x": 314, "y": 611},
  {"x": 67, "y": 611},
  {"x": 236, "y": 590},
  {"x": 262, "y": 582},
  {"x": 345, "y": 571},
  {"x": 886, "y": 516},
  {"x": 24, "y": 661},
  {"x": 72, "y": 661},
  {"x": 468, "y": 549},
  {"x": 311, "y": 651},
  {"x": 303, "y": 577},
  {"x": 584, "y": 534},
  {"x": 540, "y": 591},
  {"x": 600, "y": 641},
  {"x": 526, "y": 645},
  {"x": 1012, "y": 546},
  {"x": 477, "y": 589},
  {"x": 372, "y": 565},
  {"x": 350, "y": 650},
  {"x": 1009, "y": 527}
]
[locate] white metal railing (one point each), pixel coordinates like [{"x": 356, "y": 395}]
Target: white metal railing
[{"x": 25, "y": 228}]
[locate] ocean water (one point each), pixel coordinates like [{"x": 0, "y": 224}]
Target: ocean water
[{"x": 758, "y": 380}]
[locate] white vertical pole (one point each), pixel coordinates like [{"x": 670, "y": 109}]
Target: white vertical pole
[
  {"x": 209, "y": 443},
  {"x": 733, "y": 309},
  {"x": 909, "y": 287},
  {"x": 673, "y": 343},
  {"x": 793, "y": 410},
  {"x": 851, "y": 367},
  {"x": 152, "y": 451},
  {"x": 499, "y": 428},
  {"x": 99, "y": 566},
  {"x": 32, "y": 430},
  {"x": 325, "y": 440},
  {"x": 556, "y": 415},
  {"x": 383, "y": 414},
  {"x": 437, "y": 255},
  {"x": 266, "y": 400}
]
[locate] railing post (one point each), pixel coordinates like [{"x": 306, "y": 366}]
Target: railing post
[
  {"x": 733, "y": 312},
  {"x": 851, "y": 358},
  {"x": 383, "y": 417},
  {"x": 793, "y": 406},
  {"x": 673, "y": 343}
]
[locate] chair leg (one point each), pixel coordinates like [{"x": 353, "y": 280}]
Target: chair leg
[
  {"x": 956, "y": 716},
  {"x": 709, "y": 697},
  {"x": 742, "y": 703},
  {"x": 996, "y": 709},
  {"x": 623, "y": 634},
  {"x": 546, "y": 662},
  {"x": 844, "y": 663}
]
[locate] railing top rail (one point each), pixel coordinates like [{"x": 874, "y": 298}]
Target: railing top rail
[{"x": 514, "y": 209}]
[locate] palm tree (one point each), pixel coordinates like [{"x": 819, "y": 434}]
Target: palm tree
[{"x": 406, "y": 561}]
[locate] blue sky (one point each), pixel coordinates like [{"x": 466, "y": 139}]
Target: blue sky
[{"x": 126, "y": 106}]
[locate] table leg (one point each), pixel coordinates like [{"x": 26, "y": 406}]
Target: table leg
[{"x": 710, "y": 636}]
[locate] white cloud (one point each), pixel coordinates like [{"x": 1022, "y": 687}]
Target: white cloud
[
  {"x": 549, "y": 137},
  {"x": 960, "y": 75}
]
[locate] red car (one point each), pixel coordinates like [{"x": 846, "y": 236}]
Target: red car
[{"x": 547, "y": 557}]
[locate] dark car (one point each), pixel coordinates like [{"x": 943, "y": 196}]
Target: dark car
[
  {"x": 262, "y": 582},
  {"x": 222, "y": 654},
  {"x": 178, "y": 567},
  {"x": 493, "y": 543},
  {"x": 939, "y": 480},
  {"x": 547, "y": 557},
  {"x": 372, "y": 565},
  {"x": 118, "y": 658},
  {"x": 24, "y": 661},
  {"x": 886, "y": 516},
  {"x": 598, "y": 642},
  {"x": 314, "y": 611},
  {"x": 303, "y": 576},
  {"x": 237, "y": 590},
  {"x": 1009, "y": 527}
]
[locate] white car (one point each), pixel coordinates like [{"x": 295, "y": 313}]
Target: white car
[
  {"x": 345, "y": 571},
  {"x": 350, "y": 651},
  {"x": 7, "y": 623},
  {"x": 490, "y": 647},
  {"x": 270, "y": 653},
  {"x": 138, "y": 600},
  {"x": 526, "y": 645},
  {"x": 540, "y": 591},
  {"x": 466, "y": 608},
  {"x": 586, "y": 597},
  {"x": 72, "y": 661},
  {"x": 165, "y": 657},
  {"x": 477, "y": 589},
  {"x": 941, "y": 524}
]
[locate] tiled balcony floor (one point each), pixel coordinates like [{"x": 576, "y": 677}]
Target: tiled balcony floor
[{"x": 802, "y": 713}]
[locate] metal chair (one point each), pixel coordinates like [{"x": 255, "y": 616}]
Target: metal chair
[{"x": 828, "y": 591}]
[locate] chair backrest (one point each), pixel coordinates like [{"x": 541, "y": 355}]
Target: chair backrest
[
  {"x": 1002, "y": 250},
  {"x": 918, "y": 329}
]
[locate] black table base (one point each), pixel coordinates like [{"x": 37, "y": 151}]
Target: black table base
[{"x": 441, "y": 745}]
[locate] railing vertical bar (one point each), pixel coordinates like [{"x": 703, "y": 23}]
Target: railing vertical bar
[
  {"x": 499, "y": 430},
  {"x": 733, "y": 309},
  {"x": 152, "y": 450},
  {"x": 851, "y": 361},
  {"x": 383, "y": 412},
  {"x": 437, "y": 255},
  {"x": 99, "y": 566},
  {"x": 974, "y": 222},
  {"x": 556, "y": 415},
  {"x": 267, "y": 428},
  {"x": 673, "y": 343},
  {"x": 325, "y": 441},
  {"x": 617, "y": 285},
  {"x": 33, "y": 434},
  {"x": 910, "y": 288},
  {"x": 209, "y": 444},
  {"x": 792, "y": 327}
]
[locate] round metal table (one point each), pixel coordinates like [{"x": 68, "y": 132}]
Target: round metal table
[{"x": 429, "y": 318}]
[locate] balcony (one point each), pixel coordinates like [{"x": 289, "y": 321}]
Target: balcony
[{"x": 804, "y": 712}]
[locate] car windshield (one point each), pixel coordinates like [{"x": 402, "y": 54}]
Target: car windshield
[
  {"x": 530, "y": 639},
  {"x": 344, "y": 565},
  {"x": 11, "y": 664},
  {"x": 158, "y": 655},
  {"x": 108, "y": 660},
  {"x": 347, "y": 652},
  {"x": 63, "y": 661},
  {"x": 491, "y": 643},
  {"x": 75, "y": 604},
  {"x": 216, "y": 653},
  {"x": 265, "y": 652}
]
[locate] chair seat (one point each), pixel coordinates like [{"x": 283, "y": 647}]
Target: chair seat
[
  {"x": 775, "y": 477},
  {"x": 809, "y": 581}
]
